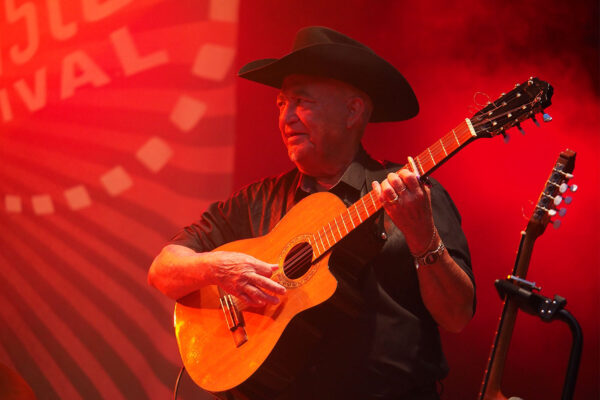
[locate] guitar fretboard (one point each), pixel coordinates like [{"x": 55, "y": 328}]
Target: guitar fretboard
[{"x": 426, "y": 162}]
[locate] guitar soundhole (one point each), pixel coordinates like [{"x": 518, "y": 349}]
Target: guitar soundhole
[{"x": 298, "y": 260}]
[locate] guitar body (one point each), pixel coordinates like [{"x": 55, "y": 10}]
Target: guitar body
[{"x": 209, "y": 352}]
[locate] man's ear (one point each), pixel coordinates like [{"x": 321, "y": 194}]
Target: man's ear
[{"x": 356, "y": 108}]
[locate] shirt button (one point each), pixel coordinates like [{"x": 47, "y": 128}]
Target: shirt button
[{"x": 383, "y": 235}]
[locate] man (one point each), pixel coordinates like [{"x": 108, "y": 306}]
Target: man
[{"x": 408, "y": 274}]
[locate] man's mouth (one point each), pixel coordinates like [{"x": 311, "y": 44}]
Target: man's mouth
[{"x": 294, "y": 137}]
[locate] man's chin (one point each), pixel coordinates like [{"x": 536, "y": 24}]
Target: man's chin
[{"x": 298, "y": 155}]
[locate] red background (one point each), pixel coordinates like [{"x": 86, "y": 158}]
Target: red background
[
  {"x": 448, "y": 51},
  {"x": 77, "y": 318}
]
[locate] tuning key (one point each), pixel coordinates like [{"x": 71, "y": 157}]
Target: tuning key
[
  {"x": 562, "y": 212},
  {"x": 520, "y": 129},
  {"x": 546, "y": 117},
  {"x": 535, "y": 121},
  {"x": 568, "y": 200},
  {"x": 563, "y": 187},
  {"x": 573, "y": 187},
  {"x": 506, "y": 137},
  {"x": 556, "y": 223},
  {"x": 557, "y": 200}
]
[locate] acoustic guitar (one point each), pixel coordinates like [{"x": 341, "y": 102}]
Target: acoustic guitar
[
  {"x": 222, "y": 342},
  {"x": 545, "y": 209}
]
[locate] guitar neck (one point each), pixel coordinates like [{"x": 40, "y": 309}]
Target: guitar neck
[
  {"x": 426, "y": 162},
  {"x": 490, "y": 387}
]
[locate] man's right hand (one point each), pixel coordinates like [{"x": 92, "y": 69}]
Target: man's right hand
[
  {"x": 244, "y": 277},
  {"x": 179, "y": 270}
]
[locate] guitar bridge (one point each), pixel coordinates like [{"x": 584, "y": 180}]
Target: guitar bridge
[{"x": 234, "y": 319}]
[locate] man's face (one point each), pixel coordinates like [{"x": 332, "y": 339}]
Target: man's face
[{"x": 313, "y": 120}]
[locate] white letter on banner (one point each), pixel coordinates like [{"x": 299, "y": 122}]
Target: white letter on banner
[
  {"x": 130, "y": 58},
  {"x": 28, "y": 13},
  {"x": 91, "y": 73},
  {"x": 94, "y": 10},
  {"x": 5, "y": 106},
  {"x": 36, "y": 99},
  {"x": 59, "y": 30}
]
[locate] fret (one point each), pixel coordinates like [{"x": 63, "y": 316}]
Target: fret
[
  {"x": 455, "y": 137},
  {"x": 431, "y": 155},
  {"x": 332, "y": 232},
  {"x": 420, "y": 165},
  {"x": 338, "y": 227},
  {"x": 443, "y": 148},
  {"x": 316, "y": 244},
  {"x": 357, "y": 213},
  {"x": 365, "y": 206},
  {"x": 450, "y": 142},
  {"x": 344, "y": 223},
  {"x": 326, "y": 237},
  {"x": 321, "y": 239},
  {"x": 373, "y": 200},
  {"x": 351, "y": 220}
]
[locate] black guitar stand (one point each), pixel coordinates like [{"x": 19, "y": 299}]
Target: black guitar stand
[{"x": 521, "y": 292}]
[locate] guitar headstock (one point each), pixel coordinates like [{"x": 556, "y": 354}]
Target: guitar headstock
[
  {"x": 554, "y": 194},
  {"x": 523, "y": 102}
]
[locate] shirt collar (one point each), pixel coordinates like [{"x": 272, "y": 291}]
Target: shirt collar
[{"x": 353, "y": 178}]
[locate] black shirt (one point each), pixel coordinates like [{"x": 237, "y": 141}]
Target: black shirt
[{"x": 375, "y": 337}]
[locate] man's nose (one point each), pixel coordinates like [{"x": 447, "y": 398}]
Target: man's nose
[{"x": 288, "y": 114}]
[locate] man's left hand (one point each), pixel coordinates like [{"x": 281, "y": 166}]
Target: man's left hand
[{"x": 407, "y": 201}]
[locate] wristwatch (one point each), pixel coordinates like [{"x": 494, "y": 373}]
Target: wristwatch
[{"x": 431, "y": 256}]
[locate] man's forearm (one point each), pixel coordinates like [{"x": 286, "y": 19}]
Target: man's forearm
[
  {"x": 447, "y": 293},
  {"x": 178, "y": 271}
]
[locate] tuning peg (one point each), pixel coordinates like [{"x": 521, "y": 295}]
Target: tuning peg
[
  {"x": 556, "y": 223},
  {"x": 546, "y": 117},
  {"x": 551, "y": 211},
  {"x": 568, "y": 200},
  {"x": 535, "y": 121},
  {"x": 563, "y": 187},
  {"x": 562, "y": 212},
  {"x": 520, "y": 129},
  {"x": 573, "y": 187},
  {"x": 506, "y": 137},
  {"x": 557, "y": 200}
]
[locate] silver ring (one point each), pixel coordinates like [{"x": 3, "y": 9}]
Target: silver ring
[{"x": 394, "y": 200}]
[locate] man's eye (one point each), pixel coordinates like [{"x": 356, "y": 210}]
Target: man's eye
[{"x": 280, "y": 103}]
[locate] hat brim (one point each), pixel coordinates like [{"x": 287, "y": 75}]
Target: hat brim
[{"x": 393, "y": 98}]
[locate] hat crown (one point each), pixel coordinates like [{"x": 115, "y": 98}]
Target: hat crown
[{"x": 314, "y": 35}]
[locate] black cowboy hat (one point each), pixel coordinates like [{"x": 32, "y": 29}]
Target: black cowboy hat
[{"x": 324, "y": 52}]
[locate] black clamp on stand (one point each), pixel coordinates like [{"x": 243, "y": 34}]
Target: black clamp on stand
[{"x": 522, "y": 293}]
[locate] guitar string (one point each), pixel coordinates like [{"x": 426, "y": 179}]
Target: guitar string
[{"x": 294, "y": 263}]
